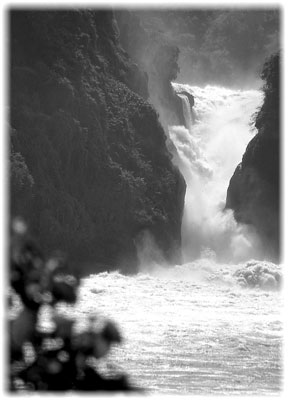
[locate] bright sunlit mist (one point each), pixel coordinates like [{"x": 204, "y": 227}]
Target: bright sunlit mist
[{"x": 209, "y": 149}]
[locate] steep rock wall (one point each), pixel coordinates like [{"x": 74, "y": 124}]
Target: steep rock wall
[
  {"x": 90, "y": 170},
  {"x": 254, "y": 189},
  {"x": 158, "y": 58}
]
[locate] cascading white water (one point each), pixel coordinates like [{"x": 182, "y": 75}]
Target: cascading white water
[
  {"x": 208, "y": 153},
  {"x": 205, "y": 327},
  {"x": 186, "y": 110}
]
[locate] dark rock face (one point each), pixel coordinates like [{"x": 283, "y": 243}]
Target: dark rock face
[
  {"x": 254, "y": 189},
  {"x": 90, "y": 169},
  {"x": 155, "y": 55}
]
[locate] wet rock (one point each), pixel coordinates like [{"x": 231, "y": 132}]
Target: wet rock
[{"x": 254, "y": 189}]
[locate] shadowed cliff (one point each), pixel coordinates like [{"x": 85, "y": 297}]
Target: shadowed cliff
[
  {"x": 254, "y": 189},
  {"x": 90, "y": 170},
  {"x": 158, "y": 57}
]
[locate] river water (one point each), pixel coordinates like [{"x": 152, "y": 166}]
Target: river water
[
  {"x": 194, "y": 329},
  {"x": 214, "y": 324}
]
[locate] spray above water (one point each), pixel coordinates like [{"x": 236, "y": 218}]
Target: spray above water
[
  {"x": 218, "y": 129},
  {"x": 202, "y": 327}
]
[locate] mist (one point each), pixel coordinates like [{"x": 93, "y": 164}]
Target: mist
[
  {"x": 207, "y": 155},
  {"x": 150, "y": 256},
  {"x": 223, "y": 46},
  {"x": 216, "y": 55}
]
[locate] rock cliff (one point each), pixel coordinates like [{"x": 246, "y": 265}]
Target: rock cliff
[
  {"x": 90, "y": 170},
  {"x": 254, "y": 189},
  {"x": 154, "y": 53}
]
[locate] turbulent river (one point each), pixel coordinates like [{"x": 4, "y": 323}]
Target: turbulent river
[
  {"x": 214, "y": 324},
  {"x": 194, "y": 328}
]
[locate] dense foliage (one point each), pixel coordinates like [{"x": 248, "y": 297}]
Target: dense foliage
[
  {"x": 254, "y": 192},
  {"x": 266, "y": 144},
  {"x": 57, "y": 356},
  {"x": 90, "y": 170}
]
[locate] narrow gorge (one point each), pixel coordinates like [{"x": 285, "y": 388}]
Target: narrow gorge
[{"x": 145, "y": 166}]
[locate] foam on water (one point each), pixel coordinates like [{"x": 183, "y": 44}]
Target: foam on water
[
  {"x": 208, "y": 326},
  {"x": 194, "y": 328}
]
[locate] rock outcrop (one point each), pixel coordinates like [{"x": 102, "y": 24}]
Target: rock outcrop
[
  {"x": 158, "y": 58},
  {"x": 90, "y": 170},
  {"x": 254, "y": 189}
]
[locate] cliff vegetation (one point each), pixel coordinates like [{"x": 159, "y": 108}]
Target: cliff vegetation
[
  {"x": 90, "y": 170},
  {"x": 254, "y": 190}
]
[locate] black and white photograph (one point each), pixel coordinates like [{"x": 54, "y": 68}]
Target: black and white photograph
[{"x": 144, "y": 228}]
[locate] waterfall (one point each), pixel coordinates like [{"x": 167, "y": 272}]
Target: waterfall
[
  {"x": 208, "y": 152},
  {"x": 186, "y": 110}
]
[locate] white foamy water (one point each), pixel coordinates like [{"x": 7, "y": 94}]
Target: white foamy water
[
  {"x": 207, "y": 154},
  {"x": 198, "y": 328},
  {"x": 205, "y": 327}
]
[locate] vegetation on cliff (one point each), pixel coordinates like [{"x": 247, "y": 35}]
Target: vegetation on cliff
[
  {"x": 254, "y": 190},
  {"x": 197, "y": 46},
  {"x": 89, "y": 165},
  {"x": 158, "y": 57}
]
